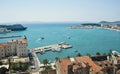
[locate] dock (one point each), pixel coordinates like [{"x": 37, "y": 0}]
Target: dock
[
  {"x": 3, "y": 37},
  {"x": 55, "y": 47}
]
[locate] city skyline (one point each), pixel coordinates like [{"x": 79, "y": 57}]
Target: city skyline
[{"x": 59, "y": 10}]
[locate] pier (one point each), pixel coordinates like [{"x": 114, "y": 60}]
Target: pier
[
  {"x": 3, "y": 37},
  {"x": 54, "y": 47}
]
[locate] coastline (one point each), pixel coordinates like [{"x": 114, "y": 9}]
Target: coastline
[{"x": 92, "y": 27}]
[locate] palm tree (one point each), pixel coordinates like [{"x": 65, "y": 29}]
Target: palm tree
[
  {"x": 79, "y": 55},
  {"x": 56, "y": 58},
  {"x": 45, "y": 62},
  {"x": 110, "y": 52},
  {"x": 47, "y": 66},
  {"x": 98, "y": 53},
  {"x": 68, "y": 57}
]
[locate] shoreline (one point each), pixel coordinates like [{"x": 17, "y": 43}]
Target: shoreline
[
  {"x": 92, "y": 27},
  {"x": 108, "y": 29}
]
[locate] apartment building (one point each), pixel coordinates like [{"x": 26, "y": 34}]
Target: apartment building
[{"x": 14, "y": 48}]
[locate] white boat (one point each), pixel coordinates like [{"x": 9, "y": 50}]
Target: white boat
[
  {"x": 56, "y": 49},
  {"x": 4, "y": 30}
]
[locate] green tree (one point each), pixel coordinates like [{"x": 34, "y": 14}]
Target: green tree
[
  {"x": 56, "y": 58},
  {"x": 20, "y": 66},
  {"x": 3, "y": 70},
  {"x": 68, "y": 57},
  {"x": 1, "y": 63},
  {"x": 47, "y": 66},
  {"x": 45, "y": 62},
  {"x": 110, "y": 53},
  {"x": 24, "y": 66},
  {"x": 98, "y": 53},
  {"x": 79, "y": 54}
]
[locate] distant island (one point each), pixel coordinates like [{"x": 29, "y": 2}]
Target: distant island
[{"x": 14, "y": 27}]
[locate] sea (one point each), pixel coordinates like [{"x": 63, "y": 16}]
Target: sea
[{"x": 83, "y": 41}]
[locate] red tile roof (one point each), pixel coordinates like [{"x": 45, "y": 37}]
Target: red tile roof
[
  {"x": 63, "y": 64},
  {"x": 19, "y": 41}
]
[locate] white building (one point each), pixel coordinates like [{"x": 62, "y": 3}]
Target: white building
[
  {"x": 2, "y": 51},
  {"x": 14, "y": 47}
]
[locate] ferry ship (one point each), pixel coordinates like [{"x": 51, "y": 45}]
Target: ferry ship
[{"x": 14, "y": 27}]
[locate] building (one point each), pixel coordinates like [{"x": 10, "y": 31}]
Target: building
[
  {"x": 87, "y": 65},
  {"x": 2, "y": 51},
  {"x": 77, "y": 65},
  {"x": 19, "y": 47},
  {"x": 14, "y": 48},
  {"x": 109, "y": 66}
]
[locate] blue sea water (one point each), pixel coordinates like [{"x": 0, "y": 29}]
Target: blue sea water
[{"x": 83, "y": 40}]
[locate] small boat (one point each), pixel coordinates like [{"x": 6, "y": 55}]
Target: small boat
[
  {"x": 4, "y": 30},
  {"x": 56, "y": 49},
  {"x": 75, "y": 51},
  {"x": 41, "y": 38}
]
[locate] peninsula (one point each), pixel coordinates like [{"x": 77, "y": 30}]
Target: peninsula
[{"x": 105, "y": 25}]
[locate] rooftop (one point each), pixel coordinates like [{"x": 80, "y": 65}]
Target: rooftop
[
  {"x": 63, "y": 63},
  {"x": 19, "y": 41},
  {"x": 4, "y": 44},
  {"x": 8, "y": 43}
]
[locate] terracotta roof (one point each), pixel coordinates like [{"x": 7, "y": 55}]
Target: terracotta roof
[
  {"x": 8, "y": 43},
  {"x": 87, "y": 59},
  {"x": 104, "y": 63},
  {"x": 4, "y": 44},
  {"x": 19, "y": 41},
  {"x": 63, "y": 64}
]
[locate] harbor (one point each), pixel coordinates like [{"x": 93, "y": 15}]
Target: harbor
[{"x": 55, "y": 47}]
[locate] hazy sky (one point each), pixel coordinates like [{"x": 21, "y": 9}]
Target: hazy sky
[{"x": 59, "y": 10}]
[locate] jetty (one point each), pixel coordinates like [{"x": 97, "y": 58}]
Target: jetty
[
  {"x": 55, "y": 47},
  {"x": 3, "y": 37}
]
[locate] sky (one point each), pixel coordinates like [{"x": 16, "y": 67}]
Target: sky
[{"x": 59, "y": 10}]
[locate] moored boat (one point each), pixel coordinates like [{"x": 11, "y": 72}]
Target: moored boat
[{"x": 4, "y": 30}]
